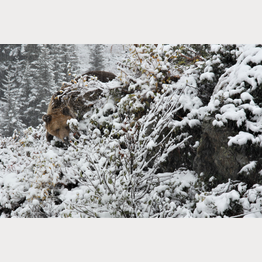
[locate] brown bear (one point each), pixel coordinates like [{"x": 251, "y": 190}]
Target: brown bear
[
  {"x": 101, "y": 76},
  {"x": 69, "y": 102}
]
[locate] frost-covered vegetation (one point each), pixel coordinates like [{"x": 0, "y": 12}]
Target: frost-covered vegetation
[{"x": 139, "y": 144}]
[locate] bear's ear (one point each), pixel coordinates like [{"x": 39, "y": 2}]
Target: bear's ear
[
  {"x": 66, "y": 111},
  {"x": 47, "y": 118}
]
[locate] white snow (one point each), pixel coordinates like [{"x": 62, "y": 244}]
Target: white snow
[
  {"x": 247, "y": 168},
  {"x": 208, "y": 76},
  {"x": 246, "y": 96},
  {"x": 10, "y": 180},
  {"x": 50, "y": 154},
  {"x": 241, "y": 138},
  {"x": 151, "y": 144}
]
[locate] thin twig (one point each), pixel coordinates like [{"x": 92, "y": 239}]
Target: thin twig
[{"x": 247, "y": 213}]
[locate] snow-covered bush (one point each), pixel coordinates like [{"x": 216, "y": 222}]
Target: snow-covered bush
[
  {"x": 236, "y": 104},
  {"x": 137, "y": 135},
  {"x": 41, "y": 180},
  {"x": 216, "y": 61}
]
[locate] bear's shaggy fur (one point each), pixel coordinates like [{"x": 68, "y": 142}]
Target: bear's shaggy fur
[
  {"x": 69, "y": 102},
  {"x": 101, "y": 76}
]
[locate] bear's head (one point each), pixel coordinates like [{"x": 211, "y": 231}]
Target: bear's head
[{"x": 56, "y": 124}]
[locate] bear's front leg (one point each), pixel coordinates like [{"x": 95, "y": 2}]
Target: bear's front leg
[{"x": 49, "y": 137}]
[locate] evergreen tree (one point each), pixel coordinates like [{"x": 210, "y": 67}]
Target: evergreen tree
[
  {"x": 219, "y": 59},
  {"x": 37, "y": 83},
  {"x": 44, "y": 88},
  {"x": 31, "y": 52},
  {"x": 10, "y": 108},
  {"x": 58, "y": 56},
  {"x": 97, "y": 59},
  {"x": 8, "y": 54},
  {"x": 3, "y": 68},
  {"x": 83, "y": 52},
  {"x": 26, "y": 99},
  {"x": 73, "y": 59},
  {"x": 69, "y": 62},
  {"x": 29, "y": 83}
]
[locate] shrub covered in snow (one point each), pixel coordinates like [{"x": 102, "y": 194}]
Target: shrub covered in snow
[{"x": 236, "y": 103}]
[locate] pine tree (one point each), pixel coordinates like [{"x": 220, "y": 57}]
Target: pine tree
[
  {"x": 10, "y": 108},
  {"x": 31, "y": 52},
  {"x": 57, "y": 54},
  {"x": 8, "y": 54},
  {"x": 26, "y": 99},
  {"x": 37, "y": 83},
  {"x": 28, "y": 81},
  {"x": 11, "y": 77},
  {"x": 73, "y": 59},
  {"x": 97, "y": 59},
  {"x": 83, "y": 52},
  {"x": 69, "y": 62},
  {"x": 44, "y": 87},
  {"x": 3, "y": 68}
]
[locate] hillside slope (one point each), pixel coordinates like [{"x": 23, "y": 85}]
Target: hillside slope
[{"x": 141, "y": 143}]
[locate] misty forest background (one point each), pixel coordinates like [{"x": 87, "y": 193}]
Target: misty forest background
[{"x": 31, "y": 73}]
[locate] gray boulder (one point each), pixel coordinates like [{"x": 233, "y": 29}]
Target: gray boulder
[{"x": 214, "y": 157}]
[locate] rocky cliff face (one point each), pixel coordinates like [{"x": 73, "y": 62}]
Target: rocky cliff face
[{"x": 215, "y": 159}]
